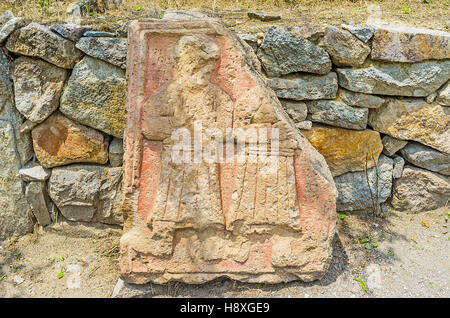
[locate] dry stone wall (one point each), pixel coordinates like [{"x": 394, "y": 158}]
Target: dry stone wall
[{"x": 374, "y": 101}]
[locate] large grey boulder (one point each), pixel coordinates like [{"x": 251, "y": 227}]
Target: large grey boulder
[
  {"x": 108, "y": 49},
  {"x": 337, "y": 114},
  {"x": 354, "y": 191},
  {"x": 38, "y": 86},
  {"x": 398, "y": 79},
  {"x": 37, "y": 40},
  {"x": 88, "y": 193},
  {"x": 420, "y": 190},
  {"x": 305, "y": 86},
  {"x": 283, "y": 52},
  {"x": 426, "y": 157},
  {"x": 96, "y": 95}
]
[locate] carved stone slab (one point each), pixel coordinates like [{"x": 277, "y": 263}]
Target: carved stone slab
[{"x": 195, "y": 220}]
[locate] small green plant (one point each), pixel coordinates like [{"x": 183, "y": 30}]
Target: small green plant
[
  {"x": 342, "y": 216},
  {"x": 138, "y": 8},
  {"x": 60, "y": 274},
  {"x": 44, "y": 5},
  {"x": 363, "y": 284},
  {"x": 368, "y": 242},
  {"x": 406, "y": 9},
  {"x": 3, "y": 276}
]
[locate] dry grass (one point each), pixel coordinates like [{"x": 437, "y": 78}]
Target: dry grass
[{"x": 425, "y": 13}]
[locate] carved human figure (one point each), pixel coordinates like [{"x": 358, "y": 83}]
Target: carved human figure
[{"x": 188, "y": 193}]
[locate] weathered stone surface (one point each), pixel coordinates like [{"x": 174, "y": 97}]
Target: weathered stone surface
[
  {"x": 15, "y": 151},
  {"x": 37, "y": 197},
  {"x": 398, "y": 79},
  {"x": 311, "y": 32},
  {"x": 59, "y": 141},
  {"x": 296, "y": 110},
  {"x": 34, "y": 172},
  {"x": 431, "y": 98},
  {"x": 116, "y": 152},
  {"x": 337, "y": 114},
  {"x": 262, "y": 16},
  {"x": 360, "y": 99},
  {"x": 70, "y": 31},
  {"x": 9, "y": 27},
  {"x": 362, "y": 33},
  {"x": 399, "y": 164},
  {"x": 38, "y": 87},
  {"x": 184, "y": 15},
  {"x": 414, "y": 119},
  {"x": 400, "y": 44},
  {"x": 38, "y": 41},
  {"x": 344, "y": 48},
  {"x": 426, "y": 157},
  {"x": 251, "y": 40},
  {"x": 96, "y": 95},
  {"x": 443, "y": 96},
  {"x": 111, "y": 50},
  {"x": 87, "y": 193},
  {"x": 194, "y": 222},
  {"x": 419, "y": 190},
  {"x": 304, "y": 125},
  {"x": 98, "y": 34},
  {"x": 346, "y": 150},
  {"x": 27, "y": 126},
  {"x": 391, "y": 145},
  {"x": 305, "y": 86},
  {"x": 6, "y": 16},
  {"x": 283, "y": 52},
  {"x": 14, "y": 208},
  {"x": 9, "y": 113},
  {"x": 354, "y": 191}
]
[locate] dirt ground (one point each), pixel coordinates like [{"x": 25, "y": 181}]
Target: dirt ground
[{"x": 399, "y": 255}]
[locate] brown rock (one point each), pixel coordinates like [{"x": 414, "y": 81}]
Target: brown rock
[
  {"x": 399, "y": 44},
  {"x": 420, "y": 190},
  {"x": 346, "y": 150},
  {"x": 414, "y": 119},
  {"x": 59, "y": 141}
]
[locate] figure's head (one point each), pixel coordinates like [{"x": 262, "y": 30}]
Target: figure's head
[{"x": 196, "y": 55}]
